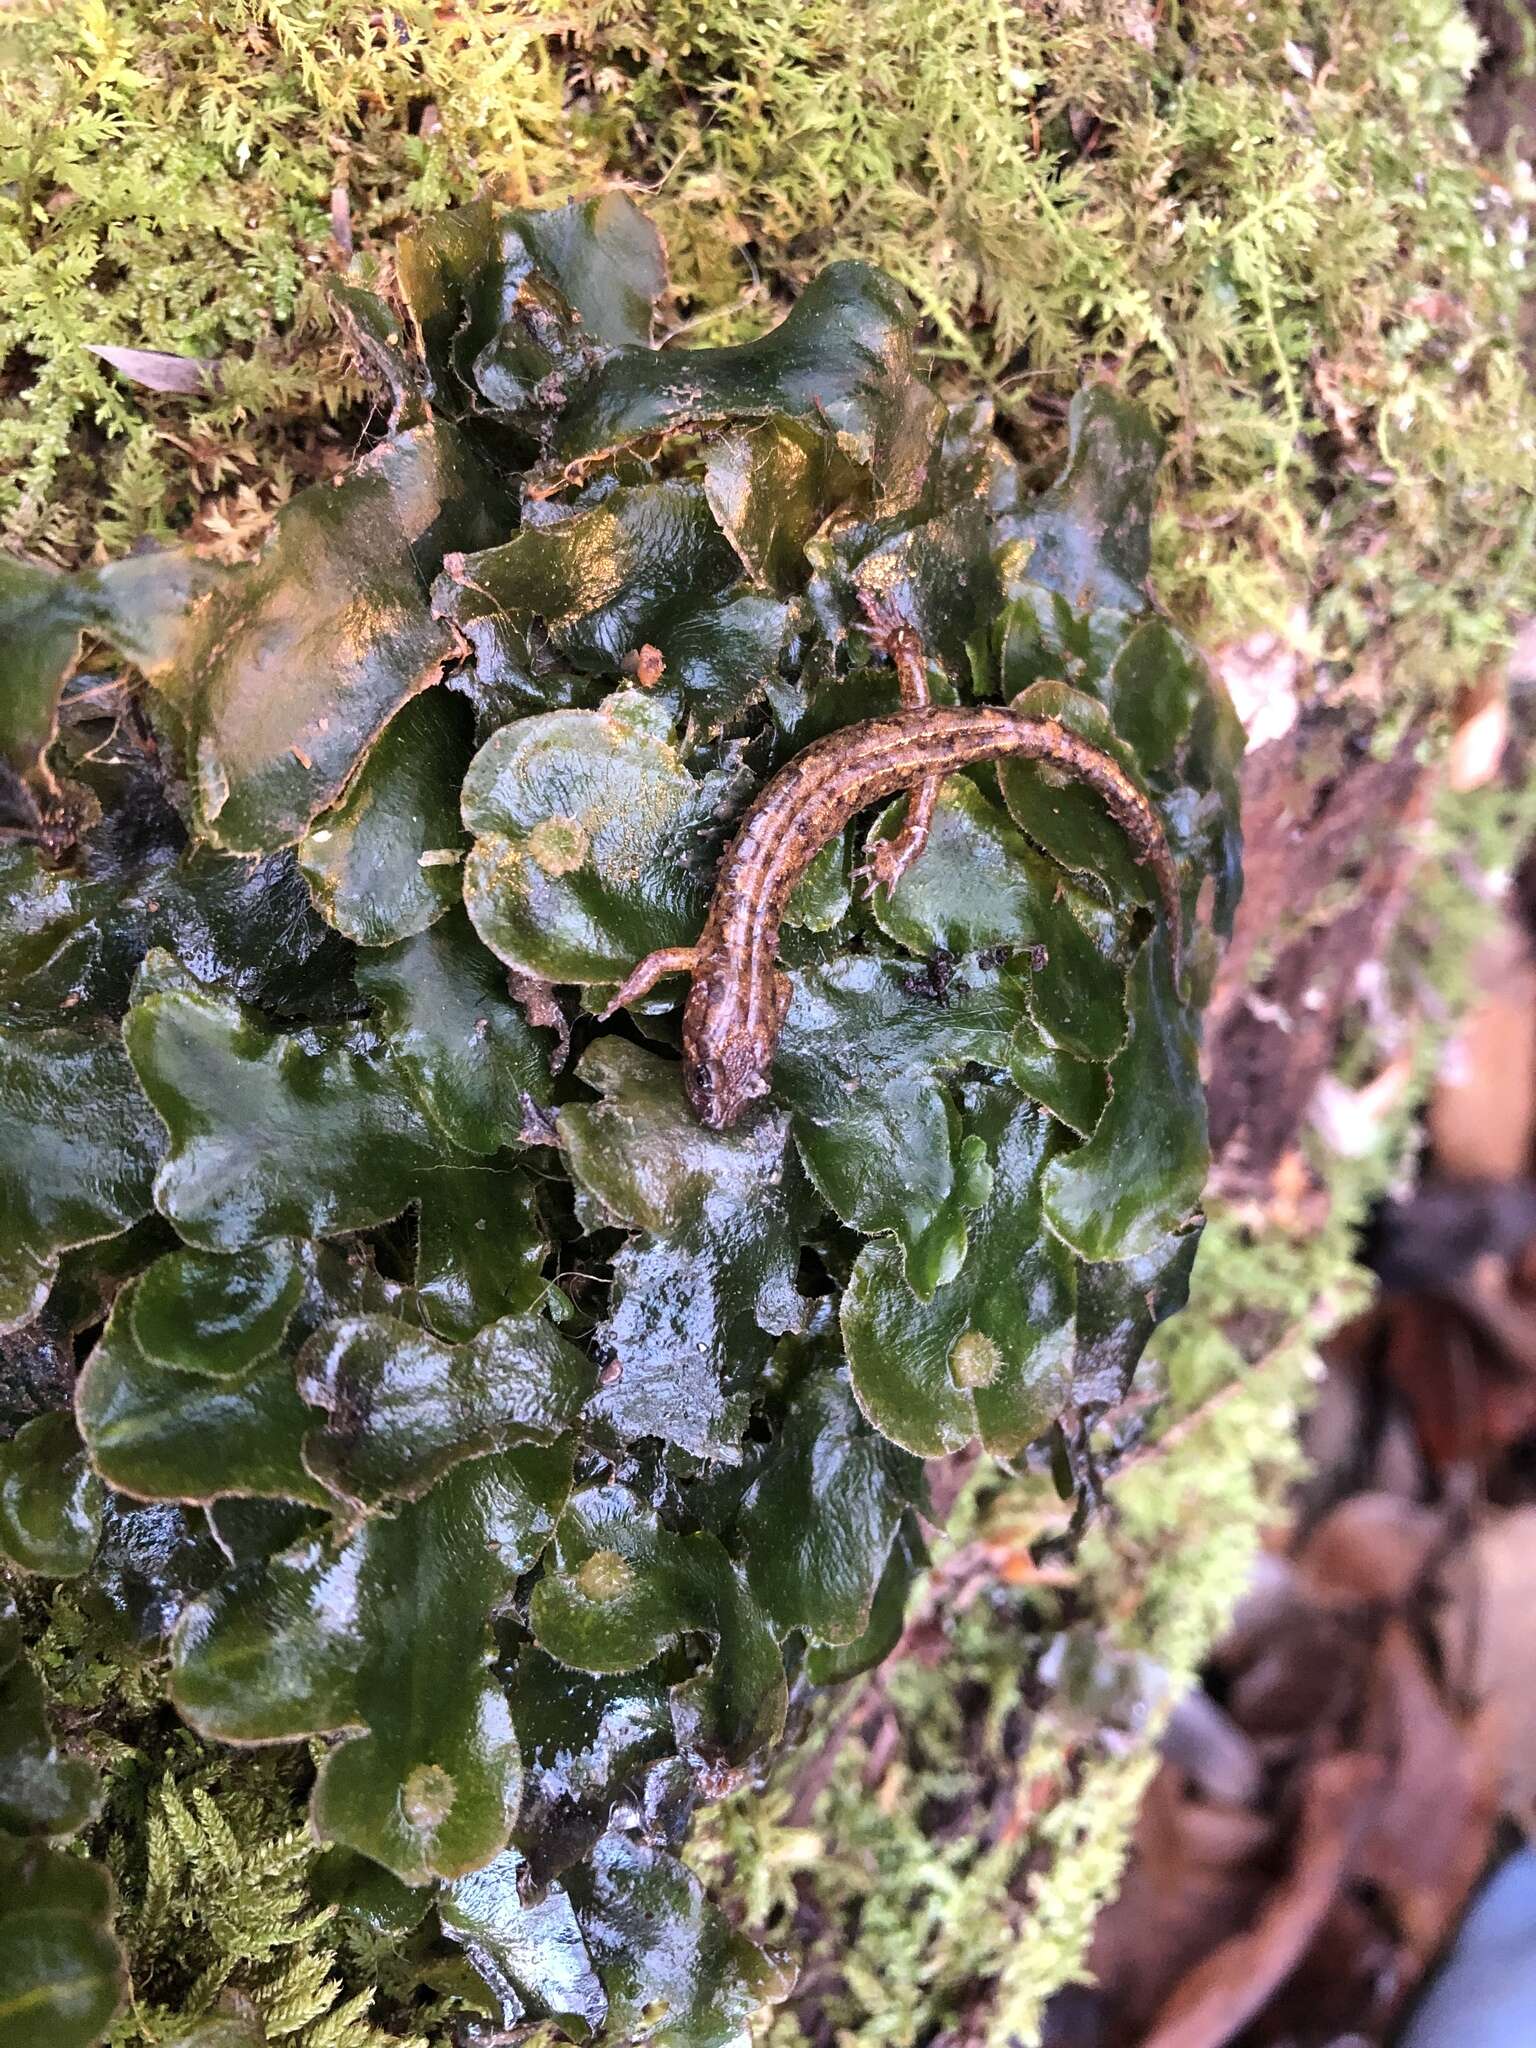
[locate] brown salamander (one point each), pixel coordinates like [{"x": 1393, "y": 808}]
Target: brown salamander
[{"x": 737, "y": 1004}]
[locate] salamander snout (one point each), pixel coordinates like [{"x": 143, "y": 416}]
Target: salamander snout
[{"x": 720, "y": 1089}]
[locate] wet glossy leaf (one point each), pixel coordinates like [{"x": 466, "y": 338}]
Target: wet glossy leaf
[
  {"x": 608, "y": 260},
  {"x": 480, "y": 1249},
  {"x": 1038, "y": 637},
  {"x": 1139, "y": 1176},
  {"x": 1118, "y": 1308},
  {"x": 42, "y": 616},
  {"x": 165, "y": 1431},
  {"x": 861, "y": 1066},
  {"x": 248, "y": 1529},
  {"x": 1089, "y": 537},
  {"x": 78, "y": 1145},
  {"x": 819, "y": 1515},
  {"x": 823, "y": 895},
  {"x": 42, "y": 1791},
  {"x": 50, "y": 1500},
  {"x": 610, "y": 577},
  {"x": 676, "y": 1972},
  {"x": 586, "y": 1741},
  {"x": 154, "y": 1556},
  {"x": 504, "y": 300},
  {"x": 90, "y": 1276},
  {"x": 249, "y": 926},
  {"x": 465, "y": 1050},
  {"x": 1073, "y": 1090},
  {"x": 512, "y": 670},
  {"x": 978, "y": 886},
  {"x": 841, "y": 356},
  {"x": 977, "y": 883},
  {"x": 62, "y": 1975},
  {"x": 770, "y": 487},
  {"x": 386, "y": 1641},
  {"x": 71, "y": 940},
  {"x": 588, "y": 842},
  {"x": 531, "y": 1953},
  {"x": 1179, "y": 722},
  {"x": 722, "y": 658},
  {"x": 991, "y": 1353},
  {"x": 416, "y": 1284},
  {"x": 1066, "y": 817},
  {"x": 218, "y": 1313},
  {"x": 833, "y": 1663},
  {"x": 160, "y": 1433},
  {"x": 374, "y": 329},
  {"x": 699, "y": 1294},
  {"x": 938, "y": 577},
  {"x": 403, "y": 1407},
  {"x": 273, "y": 1134},
  {"x": 384, "y": 862},
  {"x": 297, "y": 663},
  {"x": 624, "y": 1587},
  {"x": 367, "y": 1895}
]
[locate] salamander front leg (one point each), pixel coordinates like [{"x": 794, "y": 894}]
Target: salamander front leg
[{"x": 645, "y": 974}]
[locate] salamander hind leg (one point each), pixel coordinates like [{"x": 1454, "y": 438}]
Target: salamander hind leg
[
  {"x": 887, "y": 860},
  {"x": 645, "y": 974}
]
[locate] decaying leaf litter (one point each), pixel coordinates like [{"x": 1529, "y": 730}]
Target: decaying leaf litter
[{"x": 1360, "y": 1754}]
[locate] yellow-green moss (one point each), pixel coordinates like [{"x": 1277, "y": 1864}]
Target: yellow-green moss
[{"x": 1264, "y": 219}]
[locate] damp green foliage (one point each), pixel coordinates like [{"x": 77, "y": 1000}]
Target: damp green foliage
[
  {"x": 61, "y": 1966},
  {"x": 413, "y": 1376},
  {"x": 1154, "y": 1583},
  {"x": 919, "y": 1929},
  {"x": 1262, "y": 217}
]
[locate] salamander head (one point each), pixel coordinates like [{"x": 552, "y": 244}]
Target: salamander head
[{"x": 727, "y": 1053}]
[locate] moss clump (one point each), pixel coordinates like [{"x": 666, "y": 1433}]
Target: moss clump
[
  {"x": 167, "y": 172},
  {"x": 1266, "y": 221}
]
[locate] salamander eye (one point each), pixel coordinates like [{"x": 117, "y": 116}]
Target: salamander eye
[{"x": 698, "y": 1074}]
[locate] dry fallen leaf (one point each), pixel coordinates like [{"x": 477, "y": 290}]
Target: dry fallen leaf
[
  {"x": 1218, "y": 1999},
  {"x": 1477, "y": 745},
  {"x": 1429, "y": 1836},
  {"x": 1483, "y": 1110},
  {"x": 1490, "y": 1647},
  {"x": 1371, "y": 1550},
  {"x": 1196, "y": 1874},
  {"x": 157, "y": 371}
]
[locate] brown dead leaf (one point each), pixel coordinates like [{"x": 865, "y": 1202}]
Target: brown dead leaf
[
  {"x": 1370, "y": 1551},
  {"x": 1431, "y": 1832},
  {"x": 156, "y": 371},
  {"x": 1489, "y": 1645},
  {"x": 1467, "y": 1400},
  {"x": 1483, "y": 1111},
  {"x": 1196, "y": 1874},
  {"x": 1300, "y": 1687},
  {"x": 1236, "y": 1980}
]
